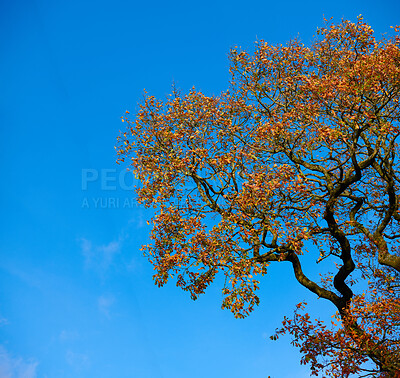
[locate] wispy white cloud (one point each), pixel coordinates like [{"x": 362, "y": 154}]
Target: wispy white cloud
[
  {"x": 78, "y": 361},
  {"x": 102, "y": 257},
  {"x": 16, "y": 367},
  {"x": 27, "y": 274},
  {"x": 138, "y": 221},
  {"x": 131, "y": 265},
  {"x": 99, "y": 257},
  {"x": 105, "y": 302},
  {"x": 68, "y": 335}
]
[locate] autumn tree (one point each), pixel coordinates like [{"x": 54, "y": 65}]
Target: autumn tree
[{"x": 300, "y": 155}]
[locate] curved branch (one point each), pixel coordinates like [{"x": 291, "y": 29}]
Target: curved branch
[{"x": 291, "y": 256}]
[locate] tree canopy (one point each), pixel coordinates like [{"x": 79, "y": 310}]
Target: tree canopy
[{"x": 299, "y": 156}]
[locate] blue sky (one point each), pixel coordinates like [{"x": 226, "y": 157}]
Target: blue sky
[{"x": 76, "y": 294}]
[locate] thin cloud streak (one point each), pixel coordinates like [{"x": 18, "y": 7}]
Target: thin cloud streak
[
  {"x": 78, "y": 361},
  {"x": 16, "y": 367},
  {"x": 105, "y": 302},
  {"x": 99, "y": 257}
]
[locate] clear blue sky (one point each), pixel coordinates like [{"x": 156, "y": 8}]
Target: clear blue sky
[{"x": 76, "y": 295}]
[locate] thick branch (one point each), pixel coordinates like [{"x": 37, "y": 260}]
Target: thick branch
[{"x": 292, "y": 257}]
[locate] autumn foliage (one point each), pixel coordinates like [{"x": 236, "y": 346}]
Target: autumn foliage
[{"x": 300, "y": 155}]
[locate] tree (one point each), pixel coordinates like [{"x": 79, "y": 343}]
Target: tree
[{"x": 299, "y": 155}]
